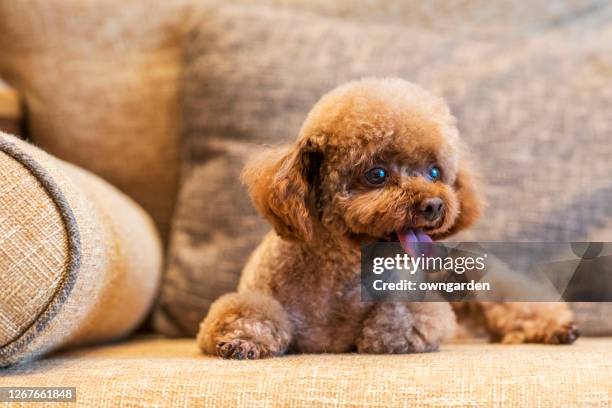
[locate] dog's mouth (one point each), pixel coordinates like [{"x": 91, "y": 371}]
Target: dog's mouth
[{"x": 414, "y": 241}]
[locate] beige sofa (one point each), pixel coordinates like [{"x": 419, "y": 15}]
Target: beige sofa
[
  {"x": 81, "y": 259},
  {"x": 120, "y": 267},
  {"x": 114, "y": 286},
  {"x": 151, "y": 372}
]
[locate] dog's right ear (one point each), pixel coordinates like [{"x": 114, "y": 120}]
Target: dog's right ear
[{"x": 281, "y": 184}]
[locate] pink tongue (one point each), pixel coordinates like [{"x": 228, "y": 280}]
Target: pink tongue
[{"x": 411, "y": 240}]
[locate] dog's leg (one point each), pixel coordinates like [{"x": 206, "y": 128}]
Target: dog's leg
[
  {"x": 403, "y": 327},
  {"x": 245, "y": 325},
  {"x": 524, "y": 322}
]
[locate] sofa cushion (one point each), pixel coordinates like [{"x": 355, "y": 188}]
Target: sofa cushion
[
  {"x": 157, "y": 372},
  {"x": 79, "y": 261},
  {"x": 100, "y": 81},
  {"x": 531, "y": 101}
]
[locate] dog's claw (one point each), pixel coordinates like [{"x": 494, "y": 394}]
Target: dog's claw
[
  {"x": 240, "y": 350},
  {"x": 224, "y": 349}
]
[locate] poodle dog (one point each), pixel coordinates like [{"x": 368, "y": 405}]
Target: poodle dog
[{"x": 376, "y": 159}]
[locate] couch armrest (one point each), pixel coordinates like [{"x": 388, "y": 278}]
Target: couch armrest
[
  {"x": 79, "y": 261},
  {"x": 10, "y": 110}
]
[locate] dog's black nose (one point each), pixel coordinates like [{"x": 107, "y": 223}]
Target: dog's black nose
[{"x": 431, "y": 208}]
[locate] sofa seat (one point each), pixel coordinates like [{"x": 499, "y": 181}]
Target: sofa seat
[{"x": 150, "y": 371}]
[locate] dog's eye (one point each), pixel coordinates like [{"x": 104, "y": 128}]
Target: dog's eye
[
  {"x": 376, "y": 176},
  {"x": 434, "y": 173}
]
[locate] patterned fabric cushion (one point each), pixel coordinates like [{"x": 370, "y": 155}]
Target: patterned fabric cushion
[
  {"x": 79, "y": 261},
  {"x": 532, "y": 100}
]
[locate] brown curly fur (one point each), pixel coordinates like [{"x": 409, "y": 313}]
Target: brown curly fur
[{"x": 300, "y": 289}]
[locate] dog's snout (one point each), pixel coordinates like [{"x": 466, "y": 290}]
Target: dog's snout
[{"x": 431, "y": 208}]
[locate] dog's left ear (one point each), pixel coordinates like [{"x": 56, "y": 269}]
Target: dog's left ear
[
  {"x": 282, "y": 186},
  {"x": 471, "y": 203}
]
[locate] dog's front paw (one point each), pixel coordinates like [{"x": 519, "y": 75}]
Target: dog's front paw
[
  {"x": 247, "y": 325},
  {"x": 399, "y": 328},
  {"x": 409, "y": 341},
  {"x": 241, "y": 349}
]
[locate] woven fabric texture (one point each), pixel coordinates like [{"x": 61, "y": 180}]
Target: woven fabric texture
[
  {"x": 101, "y": 82},
  {"x": 172, "y": 373},
  {"x": 532, "y": 101},
  {"x": 31, "y": 268},
  {"x": 79, "y": 261}
]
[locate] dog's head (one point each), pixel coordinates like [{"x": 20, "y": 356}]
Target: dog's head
[{"x": 375, "y": 159}]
